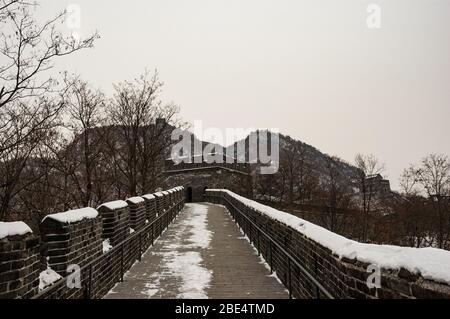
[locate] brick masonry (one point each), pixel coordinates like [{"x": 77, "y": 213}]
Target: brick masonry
[
  {"x": 116, "y": 223},
  {"x": 159, "y": 199},
  {"x": 342, "y": 278},
  {"x": 150, "y": 207},
  {"x": 81, "y": 243},
  {"x": 71, "y": 243},
  {"x": 138, "y": 214},
  {"x": 19, "y": 266},
  {"x": 197, "y": 177},
  {"x": 166, "y": 200},
  {"x": 100, "y": 276},
  {"x": 22, "y": 258}
]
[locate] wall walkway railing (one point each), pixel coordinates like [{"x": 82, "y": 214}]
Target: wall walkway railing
[
  {"x": 313, "y": 262},
  {"x": 98, "y": 277},
  {"x": 271, "y": 250}
]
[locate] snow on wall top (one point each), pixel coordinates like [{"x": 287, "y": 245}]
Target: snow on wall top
[
  {"x": 13, "y": 229},
  {"x": 159, "y": 194},
  {"x": 431, "y": 263},
  {"x": 73, "y": 216},
  {"x": 114, "y": 205},
  {"x": 165, "y": 193},
  {"x": 148, "y": 196},
  {"x": 135, "y": 200}
]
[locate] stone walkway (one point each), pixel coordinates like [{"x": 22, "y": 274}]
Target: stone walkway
[{"x": 201, "y": 255}]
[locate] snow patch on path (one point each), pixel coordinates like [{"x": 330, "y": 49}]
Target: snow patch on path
[
  {"x": 195, "y": 278},
  {"x": 200, "y": 235},
  {"x": 152, "y": 288},
  {"x": 181, "y": 256}
]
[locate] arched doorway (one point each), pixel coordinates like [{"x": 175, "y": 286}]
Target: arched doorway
[
  {"x": 189, "y": 194},
  {"x": 204, "y": 193}
]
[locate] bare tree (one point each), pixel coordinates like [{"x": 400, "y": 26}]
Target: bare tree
[
  {"x": 337, "y": 190},
  {"x": 85, "y": 108},
  {"x": 49, "y": 190},
  {"x": 433, "y": 176},
  {"x": 29, "y": 98},
  {"x": 14, "y": 159},
  {"x": 289, "y": 163},
  {"x": 143, "y": 130},
  {"x": 294, "y": 164},
  {"x": 408, "y": 183},
  {"x": 412, "y": 212},
  {"x": 29, "y": 50},
  {"x": 367, "y": 166},
  {"x": 155, "y": 140}
]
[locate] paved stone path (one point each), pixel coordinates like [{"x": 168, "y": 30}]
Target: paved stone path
[{"x": 202, "y": 255}]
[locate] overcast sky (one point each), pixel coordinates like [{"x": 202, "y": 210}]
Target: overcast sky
[{"x": 312, "y": 68}]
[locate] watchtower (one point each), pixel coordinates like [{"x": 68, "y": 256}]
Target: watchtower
[{"x": 199, "y": 174}]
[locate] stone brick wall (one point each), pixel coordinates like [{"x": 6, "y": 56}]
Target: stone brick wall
[
  {"x": 159, "y": 199},
  {"x": 71, "y": 243},
  {"x": 138, "y": 214},
  {"x": 195, "y": 181},
  {"x": 342, "y": 278},
  {"x": 150, "y": 207},
  {"x": 171, "y": 196},
  {"x": 100, "y": 276},
  {"x": 166, "y": 200},
  {"x": 180, "y": 197},
  {"x": 203, "y": 163},
  {"x": 116, "y": 221},
  {"x": 19, "y": 266},
  {"x": 70, "y": 238}
]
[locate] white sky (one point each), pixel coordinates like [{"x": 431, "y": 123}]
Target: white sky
[{"x": 310, "y": 68}]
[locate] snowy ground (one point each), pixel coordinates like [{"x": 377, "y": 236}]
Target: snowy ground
[
  {"x": 201, "y": 255},
  {"x": 183, "y": 260},
  {"x": 176, "y": 262}
]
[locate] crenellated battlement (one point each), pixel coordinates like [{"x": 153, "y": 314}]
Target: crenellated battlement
[{"x": 84, "y": 251}]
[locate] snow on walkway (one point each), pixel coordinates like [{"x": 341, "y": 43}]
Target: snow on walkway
[
  {"x": 199, "y": 256},
  {"x": 174, "y": 265},
  {"x": 181, "y": 261}
]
